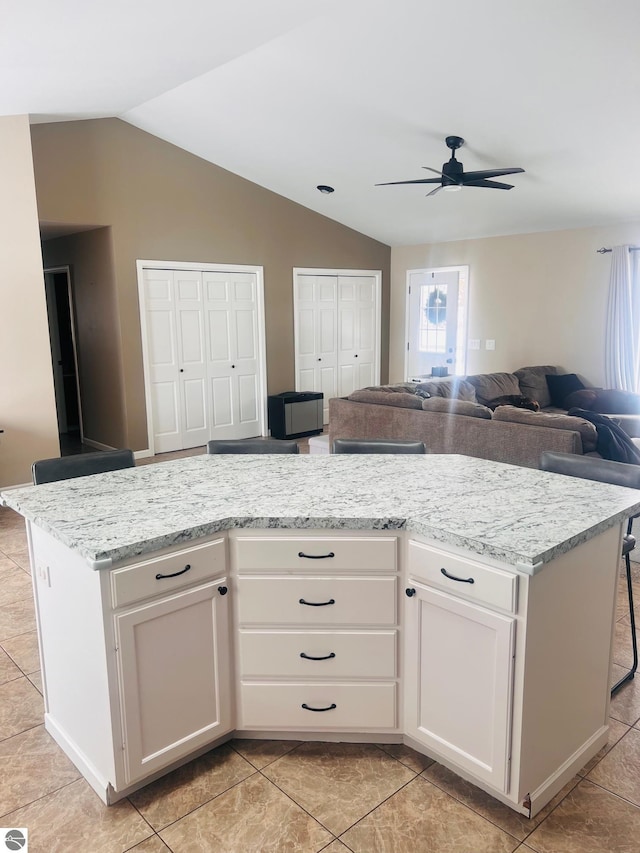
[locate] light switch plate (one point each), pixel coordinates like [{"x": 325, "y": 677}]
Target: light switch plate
[
  {"x": 489, "y": 344},
  {"x": 474, "y": 343}
]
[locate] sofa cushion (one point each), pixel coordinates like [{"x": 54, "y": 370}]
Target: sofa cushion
[
  {"x": 397, "y": 388},
  {"x": 582, "y": 399},
  {"x": 488, "y": 386},
  {"x": 606, "y": 401},
  {"x": 385, "y": 398},
  {"x": 455, "y": 407},
  {"x": 561, "y": 385},
  {"x": 533, "y": 382},
  {"x": 451, "y": 389},
  {"x": 587, "y": 430}
]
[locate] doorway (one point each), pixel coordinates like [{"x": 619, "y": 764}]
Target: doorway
[
  {"x": 436, "y": 324},
  {"x": 64, "y": 359}
]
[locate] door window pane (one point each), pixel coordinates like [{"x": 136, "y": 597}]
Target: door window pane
[{"x": 433, "y": 318}]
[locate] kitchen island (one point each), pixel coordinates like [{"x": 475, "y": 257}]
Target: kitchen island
[{"x": 461, "y": 606}]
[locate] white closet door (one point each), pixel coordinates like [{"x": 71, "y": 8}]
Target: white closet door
[
  {"x": 191, "y": 357},
  {"x": 232, "y": 333},
  {"x": 317, "y": 336},
  {"x": 356, "y": 333}
]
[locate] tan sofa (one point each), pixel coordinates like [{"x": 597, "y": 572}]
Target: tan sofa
[{"x": 454, "y": 418}]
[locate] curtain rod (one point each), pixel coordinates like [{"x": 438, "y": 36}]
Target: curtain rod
[{"x": 631, "y": 249}]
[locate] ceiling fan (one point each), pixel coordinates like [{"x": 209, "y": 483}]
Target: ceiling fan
[{"x": 453, "y": 177}]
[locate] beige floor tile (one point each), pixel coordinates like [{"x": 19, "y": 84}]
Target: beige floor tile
[
  {"x": 180, "y": 792},
  {"x": 616, "y": 731},
  {"x": 407, "y": 756},
  {"x": 19, "y": 556},
  {"x": 17, "y": 618},
  {"x": 21, "y": 707},
  {"x": 13, "y": 538},
  {"x": 263, "y": 752},
  {"x": 589, "y": 820},
  {"x": 75, "y": 818},
  {"x": 152, "y": 845},
  {"x": 423, "y": 819},
  {"x": 625, "y": 705},
  {"x": 23, "y": 650},
  {"x": 338, "y": 783},
  {"x": 36, "y": 679},
  {"x": 487, "y": 807},
  {"x": 618, "y": 770},
  {"x": 622, "y": 601},
  {"x": 8, "y": 670},
  {"x": 252, "y": 817},
  {"x": 336, "y": 847},
  {"x": 14, "y": 583},
  {"x": 34, "y": 766},
  {"x": 622, "y": 651}
]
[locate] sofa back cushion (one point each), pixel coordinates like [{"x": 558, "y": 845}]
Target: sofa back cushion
[
  {"x": 533, "y": 382},
  {"x": 451, "y": 389},
  {"x": 488, "y": 386},
  {"x": 456, "y": 407},
  {"x": 561, "y": 385},
  {"x": 587, "y": 430},
  {"x": 386, "y": 398}
]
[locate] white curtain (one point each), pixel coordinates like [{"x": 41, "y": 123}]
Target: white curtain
[{"x": 622, "y": 344}]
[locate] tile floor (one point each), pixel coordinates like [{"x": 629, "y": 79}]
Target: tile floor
[{"x": 263, "y": 796}]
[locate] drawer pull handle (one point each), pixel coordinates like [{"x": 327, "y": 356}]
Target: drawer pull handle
[
  {"x": 317, "y": 603},
  {"x": 316, "y": 556},
  {"x": 410, "y": 592},
  {"x": 310, "y": 657},
  {"x": 175, "y": 574},
  {"x": 331, "y": 707},
  {"x": 454, "y": 578},
  {"x": 223, "y": 590}
]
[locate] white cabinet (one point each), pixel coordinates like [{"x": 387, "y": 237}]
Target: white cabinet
[
  {"x": 337, "y": 331},
  {"x": 459, "y": 667},
  {"x": 173, "y": 676},
  {"x": 317, "y": 632},
  {"x": 203, "y": 347}
]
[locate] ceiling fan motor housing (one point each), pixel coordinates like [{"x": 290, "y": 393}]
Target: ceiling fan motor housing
[{"x": 452, "y": 172}]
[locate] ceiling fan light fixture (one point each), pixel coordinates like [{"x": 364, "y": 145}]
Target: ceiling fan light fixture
[{"x": 452, "y": 188}]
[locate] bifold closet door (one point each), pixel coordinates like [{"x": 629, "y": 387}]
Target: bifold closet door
[
  {"x": 177, "y": 358},
  {"x": 356, "y": 333},
  {"x": 317, "y": 336},
  {"x": 231, "y": 310}
]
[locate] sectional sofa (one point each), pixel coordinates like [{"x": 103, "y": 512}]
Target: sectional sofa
[{"x": 452, "y": 416}]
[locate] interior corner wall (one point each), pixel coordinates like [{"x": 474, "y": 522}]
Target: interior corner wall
[
  {"x": 28, "y": 410},
  {"x": 163, "y": 203},
  {"x": 541, "y": 297},
  {"x": 89, "y": 255}
]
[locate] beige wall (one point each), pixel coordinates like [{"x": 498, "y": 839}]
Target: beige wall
[
  {"x": 27, "y": 401},
  {"x": 163, "y": 203},
  {"x": 541, "y": 297},
  {"x": 95, "y": 306}
]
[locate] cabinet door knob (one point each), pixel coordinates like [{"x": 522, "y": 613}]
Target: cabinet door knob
[
  {"x": 319, "y": 359},
  {"x": 175, "y": 574},
  {"x": 182, "y": 370},
  {"x": 410, "y": 592},
  {"x": 223, "y": 590},
  {"x": 356, "y": 355}
]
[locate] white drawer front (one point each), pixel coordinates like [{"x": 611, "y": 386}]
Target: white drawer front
[
  {"x": 315, "y": 553},
  {"x": 280, "y": 706},
  {"x": 463, "y": 577},
  {"x": 137, "y": 582},
  {"x": 317, "y": 601},
  {"x": 318, "y": 654}
]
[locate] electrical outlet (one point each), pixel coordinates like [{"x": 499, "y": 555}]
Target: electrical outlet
[
  {"x": 490, "y": 344},
  {"x": 474, "y": 343},
  {"x": 42, "y": 573}
]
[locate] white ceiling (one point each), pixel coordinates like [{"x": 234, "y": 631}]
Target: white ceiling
[{"x": 350, "y": 93}]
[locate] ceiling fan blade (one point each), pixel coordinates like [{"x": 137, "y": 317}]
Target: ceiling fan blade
[
  {"x": 496, "y": 185},
  {"x": 437, "y": 171},
  {"x": 419, "y": 181},
  {"x": 433, "y": 192},
  {"x": 488, "y": 173}
]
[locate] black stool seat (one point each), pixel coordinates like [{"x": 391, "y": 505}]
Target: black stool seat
[
  {"x": 377, "y": 445},
  {"x": 82, "y": 465},
  {"x": 252, "y": 445}
]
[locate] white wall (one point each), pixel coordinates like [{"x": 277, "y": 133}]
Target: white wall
[
  {"x": 541, "y": 297},
  {"x": 27, "y": 401}
]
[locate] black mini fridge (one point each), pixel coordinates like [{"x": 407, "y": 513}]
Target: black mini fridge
[{"x": 295, "y": 414}]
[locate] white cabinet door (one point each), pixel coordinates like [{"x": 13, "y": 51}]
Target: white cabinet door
[
  {"x": 233, "y": 353},
  {"x": 458, "y": 688},
  {"x": 173, "y": 673}
]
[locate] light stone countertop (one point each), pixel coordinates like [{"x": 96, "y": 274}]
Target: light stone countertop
[{"x": 513, "y": 514}]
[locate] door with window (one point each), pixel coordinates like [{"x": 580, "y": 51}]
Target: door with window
[{"x": 436, "y": 321}]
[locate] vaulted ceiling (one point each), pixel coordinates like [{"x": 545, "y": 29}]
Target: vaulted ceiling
[{"x": 291, "y": 94}]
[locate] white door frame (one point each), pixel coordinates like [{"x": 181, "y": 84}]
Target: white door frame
[
  {"x": 141, "y": 266},
  {"x": 377, "y": 275},
  {"x": 463, "y": 322}
]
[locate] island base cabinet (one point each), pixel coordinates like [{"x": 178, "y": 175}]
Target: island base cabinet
[
  {"x": 173, "y": 677},
  {"x": 458, "y": 682}
]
